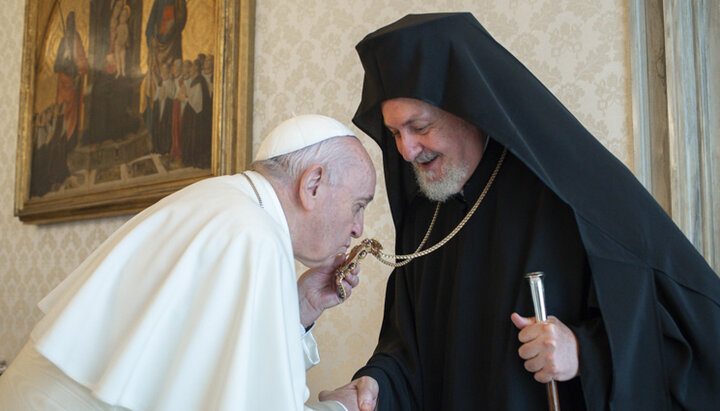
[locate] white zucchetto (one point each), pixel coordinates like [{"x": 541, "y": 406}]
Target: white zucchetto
[{"x": 299, "y": 132}]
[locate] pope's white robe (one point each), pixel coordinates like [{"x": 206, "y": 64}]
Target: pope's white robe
[{"x": 191, "y": 305}]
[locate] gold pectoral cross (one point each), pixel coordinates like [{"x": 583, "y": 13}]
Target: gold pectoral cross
[{"x": 368, "y": 245}]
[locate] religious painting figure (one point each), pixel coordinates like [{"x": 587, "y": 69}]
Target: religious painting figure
[
  {"x": 163, "y": 35},
  {"x": 203, "y": 124},
  {"x": 190, "y": 116},
  {"x": 207, "y": 71},
  {"x": 48, "y": 171},
  {"x": 71, "y": 65},
  {"x": 121, "y": 38},
  {"x": 179, "y": 73},
  {"x": 164, "y": 32},
  {"x": 196, "y": 119},
  {"x": 58, "y": 127},
  {"x": 190, "y": 101},
  {"x": 115, "y": 27},
  {"x": 162, "y": 112}
]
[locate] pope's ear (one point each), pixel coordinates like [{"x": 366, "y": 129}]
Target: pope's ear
[{"x": 309, "y": 188}]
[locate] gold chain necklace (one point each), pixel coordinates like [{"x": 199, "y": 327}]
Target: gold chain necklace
[
  {"x": 372, "y": 246},
  {"x": 257, "y": 194}
]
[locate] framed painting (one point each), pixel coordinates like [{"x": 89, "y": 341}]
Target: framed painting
[{"x": 123, "y": 102}]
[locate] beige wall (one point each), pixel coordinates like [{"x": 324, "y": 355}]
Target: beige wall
[{"x": 305, "y": 62}]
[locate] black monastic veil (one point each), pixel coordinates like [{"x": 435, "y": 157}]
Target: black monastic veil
[{"x": 643, "y": 303}]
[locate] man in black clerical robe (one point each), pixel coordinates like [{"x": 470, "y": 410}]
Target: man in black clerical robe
[{"x": 641, "y": 302}]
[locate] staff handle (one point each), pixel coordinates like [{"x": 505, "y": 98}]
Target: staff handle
[{"x": 538, "y": 297}]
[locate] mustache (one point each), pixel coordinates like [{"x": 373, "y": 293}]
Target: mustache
[{"x": 426, "y": 156}]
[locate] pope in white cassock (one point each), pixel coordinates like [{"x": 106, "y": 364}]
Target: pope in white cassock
[{"x": 193, "y": 304}]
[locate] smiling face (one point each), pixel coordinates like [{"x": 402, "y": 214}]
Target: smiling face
[{"x": 443, "y": 148}]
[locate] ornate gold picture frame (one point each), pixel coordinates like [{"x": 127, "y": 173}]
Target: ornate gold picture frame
[{"x": 123, "y": 102}]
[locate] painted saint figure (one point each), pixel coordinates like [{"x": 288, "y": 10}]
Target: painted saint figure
[
  {"x": 50, "y": 165},
  {"x": 121, "y": 38},
  {"x": 196, "y": 118},
  {"x": 71, "y": 65},
  {"x": 162, "y": 112},
  {"x": 163, "y": 34}
]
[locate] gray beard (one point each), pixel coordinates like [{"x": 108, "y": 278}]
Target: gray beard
[{"x": 440, "y": 190}]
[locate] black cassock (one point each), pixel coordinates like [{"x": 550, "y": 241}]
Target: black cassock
[{"x": 643, "y": 303}]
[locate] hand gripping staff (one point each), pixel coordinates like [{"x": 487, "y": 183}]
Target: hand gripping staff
[{"x": 538, "y": 296}]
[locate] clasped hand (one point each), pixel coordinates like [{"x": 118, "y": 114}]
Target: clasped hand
[{"x": 361, "y": 394}]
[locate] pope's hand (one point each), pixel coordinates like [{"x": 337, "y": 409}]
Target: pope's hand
[
  {"x": 550, "y": 348},
  {"x": 317, "y": 290},
  {"x": 361, "y": 394}
]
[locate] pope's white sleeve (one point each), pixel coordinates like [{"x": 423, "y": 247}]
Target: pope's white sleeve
[
  {"x": 312, "y": 358},
  {"x": 310, "y": 349}
]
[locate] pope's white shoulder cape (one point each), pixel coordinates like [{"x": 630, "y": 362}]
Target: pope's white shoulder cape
[{"x": 190, "y": 305}]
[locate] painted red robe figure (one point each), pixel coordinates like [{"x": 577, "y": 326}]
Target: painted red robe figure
[{"x": 71, "y": 65}]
